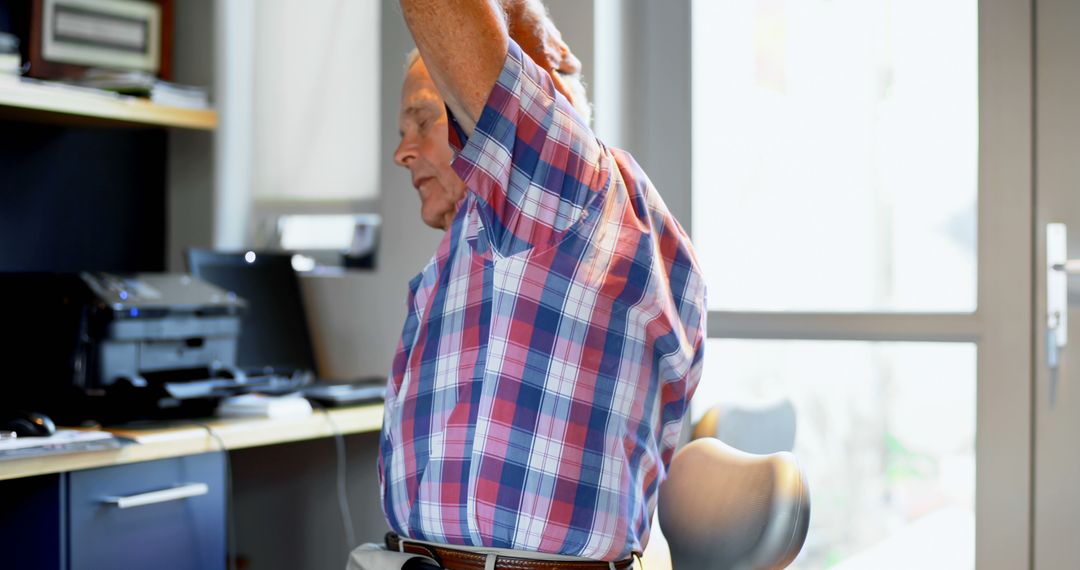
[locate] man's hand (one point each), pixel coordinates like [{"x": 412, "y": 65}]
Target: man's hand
[{"x": 531, "y": 27}]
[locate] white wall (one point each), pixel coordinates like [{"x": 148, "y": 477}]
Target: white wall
[
  {"x": 234, "y": 37},
  {"x": 315, "y": 97}
]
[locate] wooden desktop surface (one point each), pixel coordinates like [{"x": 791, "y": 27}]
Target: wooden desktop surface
[{"x": 174, "y": 439}]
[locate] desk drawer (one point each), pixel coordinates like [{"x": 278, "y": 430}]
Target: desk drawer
[{"x": 165, "y": 515}]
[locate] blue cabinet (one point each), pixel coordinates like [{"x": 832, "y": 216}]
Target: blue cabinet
[
  {"x": 166, "y": 515},
  {"x": 32, "y": 529}
]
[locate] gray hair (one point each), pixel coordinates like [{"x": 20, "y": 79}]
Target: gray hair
[{"x": 574, "y": 82}]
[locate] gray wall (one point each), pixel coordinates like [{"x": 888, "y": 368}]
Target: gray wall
[
  {"x": 660, "y": 98},
  {"x": 576, "y": 19},
  {"x": 643, "y": 90},
  {"x": 191, "y": 153},
  {"x": 286, "y": 504}
]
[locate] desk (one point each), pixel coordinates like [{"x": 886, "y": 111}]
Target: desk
[
  {"x": 185, "y": 438},
  {"x": 284, "y": 494},
  {"x": 280, "y": 549}
]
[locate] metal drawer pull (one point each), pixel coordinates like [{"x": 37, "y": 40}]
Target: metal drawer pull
[{"x": 163, "y": 496}]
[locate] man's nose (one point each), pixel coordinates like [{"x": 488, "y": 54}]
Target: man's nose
[{"x": 406, "y": 152}]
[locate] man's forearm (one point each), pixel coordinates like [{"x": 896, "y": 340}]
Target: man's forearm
[{"x": 463, "y": 43}]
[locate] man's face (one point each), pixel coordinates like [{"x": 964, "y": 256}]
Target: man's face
[{"x": 424, "y": 148}]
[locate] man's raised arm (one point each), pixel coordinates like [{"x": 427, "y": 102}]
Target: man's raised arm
[{"x": 463, "y": 43}]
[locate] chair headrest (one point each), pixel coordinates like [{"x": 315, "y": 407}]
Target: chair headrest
[{"x": 721, "y": 508}]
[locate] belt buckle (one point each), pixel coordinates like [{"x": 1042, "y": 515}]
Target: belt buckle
[{"x": 401, "y": 542}]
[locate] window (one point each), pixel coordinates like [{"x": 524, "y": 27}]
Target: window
[
  {"x": 886, "y": 434},
  {"x": 836, "y": 148},
  {"x": 836, "y": 205}
]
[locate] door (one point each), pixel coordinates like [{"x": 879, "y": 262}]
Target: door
[
  {"x": 863, "y": 210},
  {"x": 1057, "y": 394}
]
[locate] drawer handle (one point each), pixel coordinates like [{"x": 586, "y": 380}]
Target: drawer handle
[{"x": 163, "y": 496}]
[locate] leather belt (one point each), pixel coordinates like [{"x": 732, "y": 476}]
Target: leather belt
[{"x": 454, "y": 559}]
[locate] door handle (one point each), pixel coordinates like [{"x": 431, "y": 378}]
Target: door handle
[
  {"x": 1058, "y": 268},
  {"x": 1069, "y": 267},
  {"x": 163, "y": 496}
]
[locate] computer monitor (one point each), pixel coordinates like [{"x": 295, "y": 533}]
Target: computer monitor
[{"x": 274, "y": 329}]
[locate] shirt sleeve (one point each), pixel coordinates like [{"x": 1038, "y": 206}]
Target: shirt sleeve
[{"x": 531, "y": 162}]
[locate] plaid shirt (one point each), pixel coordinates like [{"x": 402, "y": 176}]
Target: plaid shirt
[{"x": 551, "y": 344}]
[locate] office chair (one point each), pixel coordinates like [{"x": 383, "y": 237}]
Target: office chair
[
  {"x": 758, "y": 429},
  {"x": 725, "y": 509}
]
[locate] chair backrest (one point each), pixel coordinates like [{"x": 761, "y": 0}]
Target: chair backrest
[
  {"x": 754, "y": 429},
  {"x": 724, "y": 509}
]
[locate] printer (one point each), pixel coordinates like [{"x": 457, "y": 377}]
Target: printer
[{"x": 113, "y": 348}]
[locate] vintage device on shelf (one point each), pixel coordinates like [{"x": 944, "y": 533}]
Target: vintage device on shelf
[
  {"x": 114, "y": 348},
  {"x": 68, "y": 36}
]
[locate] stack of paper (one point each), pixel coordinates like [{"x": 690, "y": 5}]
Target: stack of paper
[
  {"x": 63, "y": 441},
  {"x": 175, "y": 95},
  {"x": 127, "y": 82},
  {"x": 263, "y": 406},
  {"x": 143, "y": 84}
]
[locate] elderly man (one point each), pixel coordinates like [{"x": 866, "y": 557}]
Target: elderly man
[{"x": 553, "y": 341}]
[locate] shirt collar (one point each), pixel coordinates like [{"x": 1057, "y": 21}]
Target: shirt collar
[{"x": 455, "y": 134}]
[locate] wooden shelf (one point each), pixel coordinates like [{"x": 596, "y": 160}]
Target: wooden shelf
[
  {"x": 41, "y": 102},
  {"x": 190, "y": 438}
]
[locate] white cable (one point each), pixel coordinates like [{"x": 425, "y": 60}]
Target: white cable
[
  {"x": 342, "y": 489},
  {"x": 230, "y": 515}
]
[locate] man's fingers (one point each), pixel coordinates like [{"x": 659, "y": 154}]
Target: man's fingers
[
  {"x": 570, "y": 63},
  {"x": 532, "y": 29}
]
